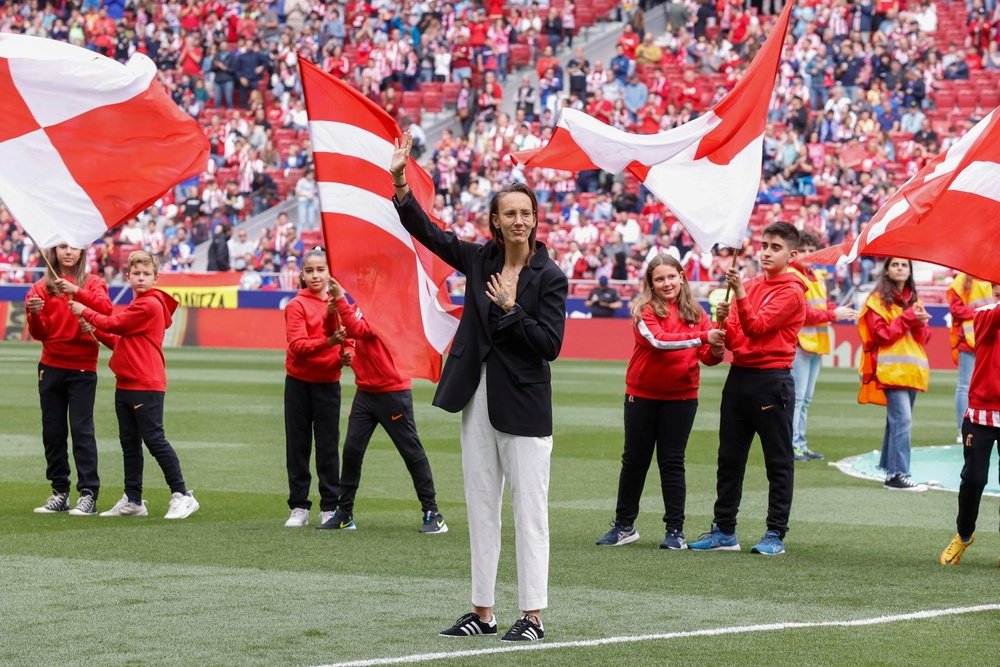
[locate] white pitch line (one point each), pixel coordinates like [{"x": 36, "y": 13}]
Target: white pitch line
[{"x": 708, "y": 632}]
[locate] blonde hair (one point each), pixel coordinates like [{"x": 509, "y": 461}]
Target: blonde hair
[
  {"x": 688, "y": 309},
  {"x": 143, "y": 257},
  {"x": 78, "y": 272}
]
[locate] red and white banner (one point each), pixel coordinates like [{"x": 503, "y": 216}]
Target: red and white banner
[
  {"x": 86, "y": 142},
  {"x": 706, "y": 171},
  {"x": 949, "y": 212},
  {"x": 397, "y": 281}
]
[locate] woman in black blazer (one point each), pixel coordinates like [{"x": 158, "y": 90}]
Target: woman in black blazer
[{"x": 497, "y": 374}]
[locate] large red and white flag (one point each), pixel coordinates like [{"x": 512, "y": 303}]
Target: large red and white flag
[
  {"x": 85, "y": 141},
  {"x": 706, "y": 171},
  {"x": 399, "y": 283},
  {"x": 949, "y": 212}
]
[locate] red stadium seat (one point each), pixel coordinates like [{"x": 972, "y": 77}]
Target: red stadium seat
[
  {"x": 520, "y": 55},
  {"x": 433, "y": 101},
  {"x": 989, "y": 98},
  {"x": 450, "y": 91},
  {"x": 412, "y": 98}
]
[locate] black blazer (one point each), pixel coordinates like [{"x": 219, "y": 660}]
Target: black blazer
[{"x": 517, "y": 349}]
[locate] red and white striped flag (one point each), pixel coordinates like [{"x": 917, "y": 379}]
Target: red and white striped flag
[
  {"x": 399, "y": 283},
  {"x": 706, "y": 171},
  {"x": 949, "y": 212},
  {"x": 86, "y": 142}
]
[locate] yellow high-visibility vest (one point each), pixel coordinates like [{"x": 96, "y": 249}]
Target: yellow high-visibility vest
[
  {"x": 900, "y": 364},
  {"x": 814, "y": 338},
  {"x": 980, "y": 293}
]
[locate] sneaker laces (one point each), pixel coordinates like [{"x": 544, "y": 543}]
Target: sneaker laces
[
  {"x": 86, "y": 504},
  {"x": 522, "y": 624},
  {"x": 55, "y": 501}
]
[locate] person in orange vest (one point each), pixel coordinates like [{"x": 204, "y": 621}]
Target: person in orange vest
[
  {"x": 980, "y": 427},
  {"x": 814, "y": 342},
  {"x": 893, "y": 328},
  {"x": 964, "y": 296}
]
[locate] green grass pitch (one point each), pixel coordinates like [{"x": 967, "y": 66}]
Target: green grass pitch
[{"x": 231, "y": 586}]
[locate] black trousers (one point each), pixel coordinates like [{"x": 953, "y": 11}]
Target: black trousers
[
  {"x": 394, "y": 412},
  {"x": 312, "y": 408},
  {"x": 140, "y": 420},
  {"x": 756, "y": 402},
  {"x": 978, "y": 441},
  {"x": 63, "y": 392},
  {"x": 664, "y": 426}
]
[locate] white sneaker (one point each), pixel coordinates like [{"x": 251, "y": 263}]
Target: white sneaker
[
  {"x": 181, "y": 506},
  {"x": 125, "y": 507},
  {"x": 958, "y": 438},
  {"x": 298, "y": 519},
  {"x": 325, "y": 516}
]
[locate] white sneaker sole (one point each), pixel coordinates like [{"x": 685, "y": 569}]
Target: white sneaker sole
[
  {"x": 42, "y": 510},
  {"x": 439, "y": 531},
  {"x": 634, "y": 537},
  {"x": 916, "y": 489},
  {"x": 296, "y": 524},
  {"x": 735, "y": 547},
  {"x": 76, "y": 512}
]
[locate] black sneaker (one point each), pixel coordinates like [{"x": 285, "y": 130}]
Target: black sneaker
[
  {"x": 470, "y": 625},
  {"x": 673, "y": 539},
  {"x": 433, "y": 523},
  {"x": 903, "y": 483},
  {"x": 57, "y": 502},
  {"x": 524, "y": 630},
  {"x": 86, "y": 504},
  {"x": 813, "y": 456},
  {"x": 340, "y": 520}
]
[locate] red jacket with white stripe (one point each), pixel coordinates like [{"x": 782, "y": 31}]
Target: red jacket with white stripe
[
  {"x": 310, "y": 357},
  {"x": 664, "y": 364},
  {"x": 64, "y": 345},
  {"x": 763, "y": 332},
  {"x": 137, "y": 361},
  {"x": 374, "y": 370},
  {"x": 984, "y": 390}
]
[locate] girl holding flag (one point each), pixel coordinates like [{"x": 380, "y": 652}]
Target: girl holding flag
[
  {"x": 67, "y": 375},
  {"x": 672, "y": 334},
  {"x": 893, "y": 328}
]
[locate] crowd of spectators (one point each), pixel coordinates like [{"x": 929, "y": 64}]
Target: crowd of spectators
[{"x": 868, "y": 92}]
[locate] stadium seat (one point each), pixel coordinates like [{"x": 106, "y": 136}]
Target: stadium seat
[
  {"x": 450, "y": 92},
  {"x": 520, "y": 55},
  {"x": 433, "y": 101},
  {"x": 989, "y": 97}
]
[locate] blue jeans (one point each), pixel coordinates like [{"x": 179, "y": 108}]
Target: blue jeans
[
  {"x": 225, "y": 90},
  {"x": 805, "y": 370},
  {"x": 966, "y": 361},
  {"x": 307, "y": 214},
  {"x": 895, "y": 459}
]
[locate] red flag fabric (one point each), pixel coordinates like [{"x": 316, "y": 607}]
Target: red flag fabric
[
  {"x": 949, "y": 212},
  {"x": 86, "y": 142},
  {"x": 830, "y": 255},
  {"x": 399, "y": 283},
  {"x": 706, "y": 171}
]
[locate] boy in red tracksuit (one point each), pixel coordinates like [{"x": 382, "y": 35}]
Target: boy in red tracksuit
[
  {"x": 383, "y": 398},
  {"x": 136, "y": 335},
  {"x": 981, "y": 427},
  {"x": 759, "y": 395}
]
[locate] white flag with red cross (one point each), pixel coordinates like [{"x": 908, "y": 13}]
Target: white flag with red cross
[{"x": 707, "y": 171}]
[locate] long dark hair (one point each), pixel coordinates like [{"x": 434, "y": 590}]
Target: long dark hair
[
  {"x": 77, "y": 272},
  {"x": 687, "y": 307},
  {"x": 495, "y": 212},
  {"x": 887, "y": 291}
]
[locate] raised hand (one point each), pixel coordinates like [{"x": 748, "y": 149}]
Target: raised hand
[
  {"x": 400, "y": 157},
  {"x": 498, "y": 294}
]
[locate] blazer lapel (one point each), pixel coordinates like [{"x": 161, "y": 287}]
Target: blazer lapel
[{"x": 531, "y": 270}]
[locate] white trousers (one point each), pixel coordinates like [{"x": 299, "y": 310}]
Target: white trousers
[{"x": 489, "y": 456}]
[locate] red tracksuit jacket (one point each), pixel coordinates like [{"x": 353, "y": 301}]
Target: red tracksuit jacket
[
  {"x": 664, "y": 364},
  {"x": 374, "y": 370},
  {"x": 984, "y": 390},
  {"x": 64, "y": 345},
  {"x": 762, "y": 330},
  {"x": 137, "y": 361},
  {"x": 309, "y": 357}
]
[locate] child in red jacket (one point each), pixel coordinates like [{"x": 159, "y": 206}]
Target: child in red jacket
[
  {"x": 136, "y": 335},
  {"x": 672, "y": 334},
  {"x": 759, "y": 395},
  {"x": 383, "y": 399},
  {"x": 67, "y": 376},
  {"x": 312, "y": 392},
  {"x": 981, "y": 427}
]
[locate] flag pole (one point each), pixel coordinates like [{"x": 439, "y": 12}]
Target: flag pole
[
  {"x": 41, "y": 251},
  {"x": 729, "y": 288}
]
